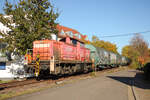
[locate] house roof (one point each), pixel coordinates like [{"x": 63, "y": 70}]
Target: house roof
[{"x": 66, "y": 31}]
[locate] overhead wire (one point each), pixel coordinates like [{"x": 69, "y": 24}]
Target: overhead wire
[{"x": 127, "y": 34}]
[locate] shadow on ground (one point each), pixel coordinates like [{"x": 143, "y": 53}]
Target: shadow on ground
[{"x": 138, "y": 81}]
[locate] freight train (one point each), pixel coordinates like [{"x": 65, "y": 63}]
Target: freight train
[{"x": 69, "y": 56}]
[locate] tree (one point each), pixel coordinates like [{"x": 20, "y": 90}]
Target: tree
[
  {"x": 126, "y": 51},
  {"x": 104, "y": 44},
  {"x": 137, "y": 51},
  {"x": 29, "y": 20},
  {"x": 149, "y": 51},
  {"x": 139, "y": 44},
  {"x": 95, "y": 38}
]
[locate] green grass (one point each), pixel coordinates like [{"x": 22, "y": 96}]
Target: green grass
[
  {"x": 11, "y": 94},
  {"x": 5, "y": 81},
  {"x": 93, "y": 74}
]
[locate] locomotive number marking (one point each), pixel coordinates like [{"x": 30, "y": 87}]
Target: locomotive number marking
[{"x": 41, "y": 45}]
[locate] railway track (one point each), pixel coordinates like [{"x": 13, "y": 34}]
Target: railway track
[
  {"x": 14, "y": 84},
  {"x": 17, "y": 83}
]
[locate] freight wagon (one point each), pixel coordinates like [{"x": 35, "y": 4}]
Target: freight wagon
[
  {"x": 105, "y": 59},
  {"x": 125, "y": 61}
]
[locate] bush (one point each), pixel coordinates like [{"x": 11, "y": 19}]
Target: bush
[
  {"x": 134, "y": 65},
  {"x": 147, "y": 71}
]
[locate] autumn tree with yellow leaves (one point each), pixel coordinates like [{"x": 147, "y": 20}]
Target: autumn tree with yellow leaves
[
  {"x": 137, "y": 51},
  {"x": 104, "y": 44}
]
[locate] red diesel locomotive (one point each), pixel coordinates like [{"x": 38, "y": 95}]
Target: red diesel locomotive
[{"x": 66, "y": 56}]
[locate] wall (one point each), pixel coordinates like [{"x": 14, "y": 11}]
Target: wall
[{"x": 13, "y": 70}]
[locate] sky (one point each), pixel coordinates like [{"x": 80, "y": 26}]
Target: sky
[{"x": 104, "y": 18}]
